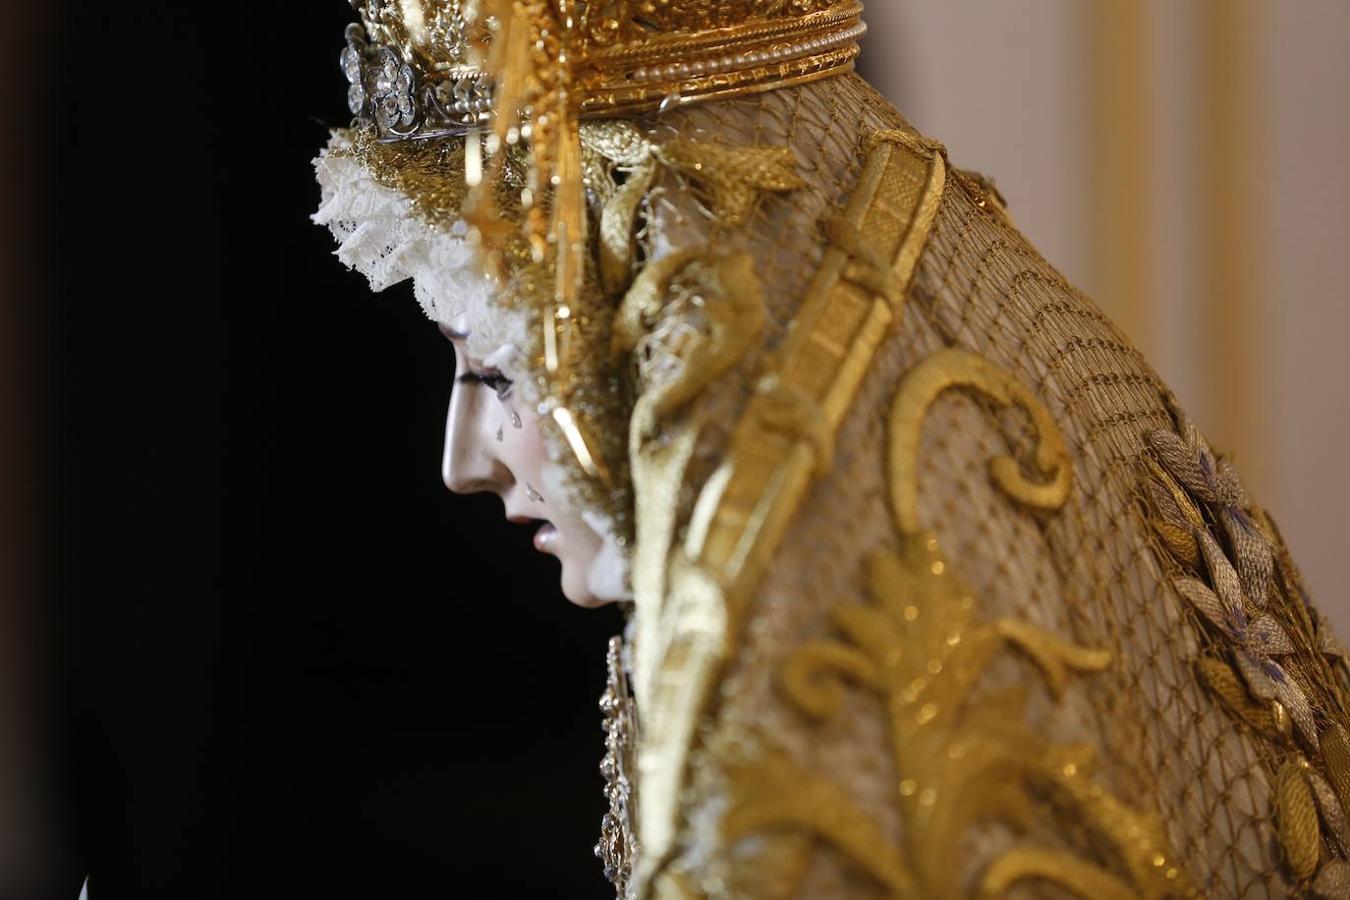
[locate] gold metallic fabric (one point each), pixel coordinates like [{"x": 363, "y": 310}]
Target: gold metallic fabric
[
  {"x": 995, "y": 459},
  {"x": 938, "y": 592}
]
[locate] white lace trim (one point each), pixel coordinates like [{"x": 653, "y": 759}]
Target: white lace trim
[{"x": 380, "y": 237}]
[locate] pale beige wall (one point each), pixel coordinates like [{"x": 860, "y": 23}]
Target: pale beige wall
[
  {"x": 1305, "y": 92},
  {"x": 998, "y": 108},
  {"x": 1097, "y": 114}
]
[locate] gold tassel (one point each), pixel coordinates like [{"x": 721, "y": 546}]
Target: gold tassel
[
  {"x": 534, "y": 51},
  {"x": 567, "y": 234},
  {"x": 508, "y": 59}
]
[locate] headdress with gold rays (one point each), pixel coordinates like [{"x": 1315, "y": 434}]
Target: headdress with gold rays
[{"x": 526, "y": 73}]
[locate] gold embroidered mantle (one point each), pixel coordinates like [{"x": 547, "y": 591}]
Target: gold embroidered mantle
[
  {"x": 938, "y": 593},
  {"x": 789, "y": 747}
]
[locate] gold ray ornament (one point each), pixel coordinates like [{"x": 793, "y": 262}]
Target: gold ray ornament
[{"x": 556, "y": 61}]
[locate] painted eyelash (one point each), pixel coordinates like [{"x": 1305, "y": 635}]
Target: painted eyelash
[{"x": 495, "y": 380}]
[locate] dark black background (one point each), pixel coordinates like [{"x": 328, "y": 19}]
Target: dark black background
[{"x": 289, "y": 663}]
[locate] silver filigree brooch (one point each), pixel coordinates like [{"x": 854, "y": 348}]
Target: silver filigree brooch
[{"x": 385, "y": 90}]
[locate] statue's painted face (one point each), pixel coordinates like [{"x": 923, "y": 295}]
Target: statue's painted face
[{"x": 493, "y": 443}]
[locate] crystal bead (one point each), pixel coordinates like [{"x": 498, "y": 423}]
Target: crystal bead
[{"x": 351, "y": 64}]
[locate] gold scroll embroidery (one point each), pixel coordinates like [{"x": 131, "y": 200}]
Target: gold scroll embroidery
[
  {"x": 953, "y": 368},
  {"x": 961, "y": 756}
]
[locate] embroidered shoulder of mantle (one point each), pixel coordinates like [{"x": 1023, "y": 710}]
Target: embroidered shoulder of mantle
[{"x": 939, "y": 593}]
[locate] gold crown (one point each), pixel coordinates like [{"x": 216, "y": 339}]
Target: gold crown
[
  {"x": 638, "y": 54},
  {"x": 409, "y": 66},
  {"x": 420, "y": 68}
]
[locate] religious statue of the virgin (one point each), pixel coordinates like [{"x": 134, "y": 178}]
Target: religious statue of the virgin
[{"x": 935, "y": 591}]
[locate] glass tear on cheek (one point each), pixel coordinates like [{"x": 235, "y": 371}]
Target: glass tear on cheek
[
  {"x": 533, "y": 494},
  {"x": 499, "y": 435},
  {"x": 515, "y": 419}
]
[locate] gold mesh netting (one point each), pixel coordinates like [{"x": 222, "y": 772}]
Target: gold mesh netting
[
  {"x": 1091, "y": 572},
  {"x": 981, "y": 285}
]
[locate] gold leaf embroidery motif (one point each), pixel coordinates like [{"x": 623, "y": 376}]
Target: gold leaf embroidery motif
[
  {"x": 617, "y": 251},
  {"x": 1272, "y": 660},
  {"x": 1297, "y": 815},
  {"x": 776, "y": 793},
  {"x": 1330, "y": 809},
  {"x": 1336, "y": 755},
  {"x": 724, "y": 290},
  {"x": 961, "y": 756},
  {"x": 733, "y": 178},
  {"x": 1219, "y": 677}
]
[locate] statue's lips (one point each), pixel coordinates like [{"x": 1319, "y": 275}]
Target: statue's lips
[{"x": 545, "y": 538}]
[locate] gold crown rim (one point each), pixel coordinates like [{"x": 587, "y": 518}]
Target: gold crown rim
[
  {"x": 725, "y": 38},
  {"x": 629, "y": 101}
]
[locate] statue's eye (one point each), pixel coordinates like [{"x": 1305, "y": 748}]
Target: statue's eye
[{"x": 495, "y": 380}]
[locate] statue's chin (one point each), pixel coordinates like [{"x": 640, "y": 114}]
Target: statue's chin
[{"x": 607, "y": 575}]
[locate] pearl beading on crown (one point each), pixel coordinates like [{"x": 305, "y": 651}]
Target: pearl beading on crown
[{"x": 732, "y": 61}]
